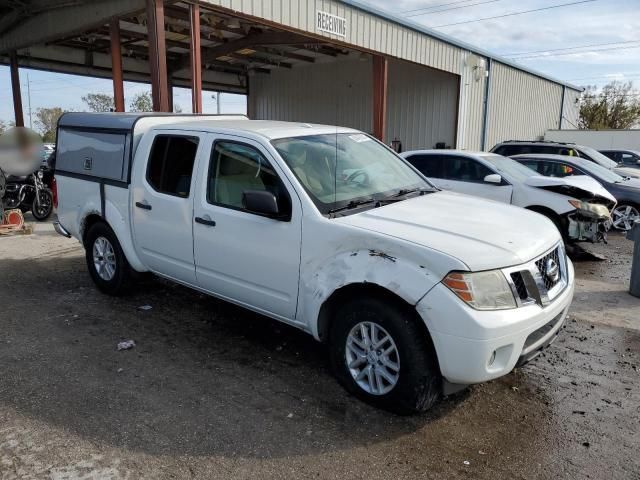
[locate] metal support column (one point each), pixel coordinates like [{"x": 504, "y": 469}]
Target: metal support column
[
  {"x": 157, "y": 55},
  {"x": 564, "y": 91},
  {"x": 116, "y": 65},
  {"x": 380, "y": 70},
  {"x": 196, "y": 59},
  {"x": 485, "y": 113},
  {"x": 15, "y": 88}
]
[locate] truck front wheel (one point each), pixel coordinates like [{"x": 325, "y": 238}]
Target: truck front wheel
[
  {"x": 108, "y": 267},
  {"x": 380, "y": 354}
]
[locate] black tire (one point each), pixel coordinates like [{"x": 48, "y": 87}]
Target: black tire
[
  {"x": 121, "y": 279},
  {"x": 419, "y": 384},
  {"x": 42, "y": 212}
]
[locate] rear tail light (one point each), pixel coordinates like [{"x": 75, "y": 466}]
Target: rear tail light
[{"x": 54, "y": 191}]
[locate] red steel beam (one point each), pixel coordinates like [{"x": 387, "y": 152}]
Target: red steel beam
[
  {"x": 116, "y": 65},
  {"x": 380, "y": 69},
  {"x": 196, "y": 58},
  {"x": 15, "y": 88},
  {"x": 157, "y": 55}
]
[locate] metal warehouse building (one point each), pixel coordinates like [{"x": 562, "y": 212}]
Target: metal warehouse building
[{"x": 326, "y": 61}]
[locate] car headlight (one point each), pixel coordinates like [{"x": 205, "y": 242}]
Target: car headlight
[
  {"x": 40, "y": 174},
  {"x": 591, "y": 209},
  {"x": 482, "y": 290}
]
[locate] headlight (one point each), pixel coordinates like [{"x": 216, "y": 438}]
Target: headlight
[
  {"x": 591, "y": 209},
  {"x": 40, "y": 174},
  {"x": 482, "y": 290}
]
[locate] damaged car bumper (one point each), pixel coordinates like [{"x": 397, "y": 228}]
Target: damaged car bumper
[
  {"x": 589, "y": 222},
  {"x": 492, "y": 342}
]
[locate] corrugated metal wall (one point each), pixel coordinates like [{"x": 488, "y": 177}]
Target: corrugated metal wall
[
  {"x": 422, "y": 106},
  {"x": 571, "y": 112},
  {"x": 363, "y": 29},
  {"x": 336, "y": 93},
  {"x": 521, "y": 106}
]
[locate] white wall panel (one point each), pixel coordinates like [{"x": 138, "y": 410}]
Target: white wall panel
[
  {"x": 571, "y": 111},
  {"x": 336, "y": 93},
  {"x": 422, "y": 106},
  {"x": 521, "y": 106}
]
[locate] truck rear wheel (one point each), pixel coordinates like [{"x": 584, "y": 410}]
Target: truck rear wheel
[
  {"x": 380, "y": 354},
  {"x": 108, "y": 267}
]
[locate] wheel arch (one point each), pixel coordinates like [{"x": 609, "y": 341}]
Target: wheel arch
[{"x": 121, "y": 229}]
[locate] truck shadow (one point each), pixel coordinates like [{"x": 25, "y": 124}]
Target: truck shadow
[{"x": 205, "y": 377}]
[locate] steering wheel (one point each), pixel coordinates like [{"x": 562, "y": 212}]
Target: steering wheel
[{"x": 358, "y": 173}]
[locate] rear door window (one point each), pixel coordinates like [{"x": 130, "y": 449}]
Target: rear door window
[
  {"x": 428, "y": 165},
  {"x": 170, "y": 166},
  {"x": 533, "y": 165},
  {"x": 464, "y": 169}
]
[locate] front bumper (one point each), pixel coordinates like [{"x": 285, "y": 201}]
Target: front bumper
[
  {"x": 57, "y": 226},
  {"x": 475, "y": 346}
]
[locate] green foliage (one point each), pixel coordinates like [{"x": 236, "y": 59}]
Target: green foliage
[
  {"x": 99, "y": 102},
  {"x": 616, "y": 106},
  {"x": 141, "y": 103},
  {"x": 47, "y": 122}
]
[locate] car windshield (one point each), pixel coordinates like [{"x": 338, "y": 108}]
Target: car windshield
[
  {"x": 600, "y": 172},
  {"x": 598, "y": 157},
  {"x": 509, "y": 167},
  {"x": 338, "y": 170}
]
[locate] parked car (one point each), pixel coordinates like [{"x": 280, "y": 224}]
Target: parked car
[
  {"x": 626, "y": 190},
  {"x": 515, "y": 147},
  {"x": 628, "y": 158},
  {"x": 323, "y": 228},
  {"x": 580, "y": 209}
]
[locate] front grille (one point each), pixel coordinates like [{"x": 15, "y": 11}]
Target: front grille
[
  {"x": 521, "y": 288},
  {"x": 544, "y": 265}
]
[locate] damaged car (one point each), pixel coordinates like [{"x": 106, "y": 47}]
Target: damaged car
[
  {"x": 323, "y": 228},
  {"x": 579, "y": 207}
]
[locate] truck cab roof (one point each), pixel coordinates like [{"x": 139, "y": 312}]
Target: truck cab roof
[{"x": 138, "y": 123}]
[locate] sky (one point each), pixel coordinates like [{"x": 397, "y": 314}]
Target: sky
[{"x": 589, "y": 42}]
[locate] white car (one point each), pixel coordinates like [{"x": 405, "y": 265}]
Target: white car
[
  {"x": 323, "y": 228},
  {"x": 579, "y": 206}
]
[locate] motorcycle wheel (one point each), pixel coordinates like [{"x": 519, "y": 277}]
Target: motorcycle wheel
[{"x": 43, "y": 211}]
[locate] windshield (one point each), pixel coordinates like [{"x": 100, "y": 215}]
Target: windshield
[
  {"x": 600, "y": 172},
  {"x": 509, "y": 167},
  {"x": 364, "y": 170},
  {"x": 598, "y": 157}
]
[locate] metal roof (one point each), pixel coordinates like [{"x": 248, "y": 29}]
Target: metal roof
[{"x": 453, "y": 41}]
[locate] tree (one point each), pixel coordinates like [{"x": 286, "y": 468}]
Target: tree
[
  {"x": 47, "y": 122},
  {"x": 99, "y": 102},
  {"x": 616, "y": 106},
  {"x": 141, "y": 103},
  {"x": 6, "y": 125}
]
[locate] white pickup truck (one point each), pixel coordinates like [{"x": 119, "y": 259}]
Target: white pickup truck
[{"x": 323, "y": 228}]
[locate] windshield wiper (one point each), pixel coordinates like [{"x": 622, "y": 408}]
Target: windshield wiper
[
  {"x": 395, "y": 197},
  {"x": 351, "y": 205}
]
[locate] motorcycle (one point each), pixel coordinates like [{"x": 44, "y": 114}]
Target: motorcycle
[{"x": 29, "y": 193}]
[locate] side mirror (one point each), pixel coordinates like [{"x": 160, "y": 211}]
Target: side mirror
[
  {"x": 493, "y": 178},
  {"x": 261, "y": 202}
]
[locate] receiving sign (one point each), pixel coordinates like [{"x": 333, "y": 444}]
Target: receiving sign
[{"x": 329, "y": 23}]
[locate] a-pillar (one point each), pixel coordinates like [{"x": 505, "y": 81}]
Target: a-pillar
[
  {"x": 380, "y": 69},
  {"x": 196, "y": 59},
  {"x": 116, "y": 65},
  {"x": 15, "y": 89},
  {"x": 157, "y": 56}
]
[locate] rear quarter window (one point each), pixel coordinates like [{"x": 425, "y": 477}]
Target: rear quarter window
[{"x": 428, "y": 165}]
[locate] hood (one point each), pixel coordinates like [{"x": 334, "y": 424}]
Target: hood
[
  {"x": 580, "y": 187},
  {"x": 481, "y": 233},
  {"x": 628, "y": 172}
]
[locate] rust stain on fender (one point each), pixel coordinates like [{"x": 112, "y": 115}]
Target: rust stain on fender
[{"x": 375, "y": 253}]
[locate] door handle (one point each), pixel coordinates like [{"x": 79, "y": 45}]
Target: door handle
[
  {"x": 205, "y": 221},
  {"x": 143, "y": 206}
]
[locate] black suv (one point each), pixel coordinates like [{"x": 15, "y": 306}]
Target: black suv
[
  {"x": 629, "y": 158},
  {"x": 517, "y": 147}
]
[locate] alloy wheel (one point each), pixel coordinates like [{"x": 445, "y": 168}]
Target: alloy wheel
[
  {"x": 624, "y": 216},
  {"x": 104, "y": 259},
  {"x": 372, "y": 358}
]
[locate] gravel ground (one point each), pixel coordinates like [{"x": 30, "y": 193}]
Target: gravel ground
[{"x": 213, "y": 391}]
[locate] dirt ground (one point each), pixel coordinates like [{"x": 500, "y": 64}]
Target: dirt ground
[{"x": 212, "y": 391}]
